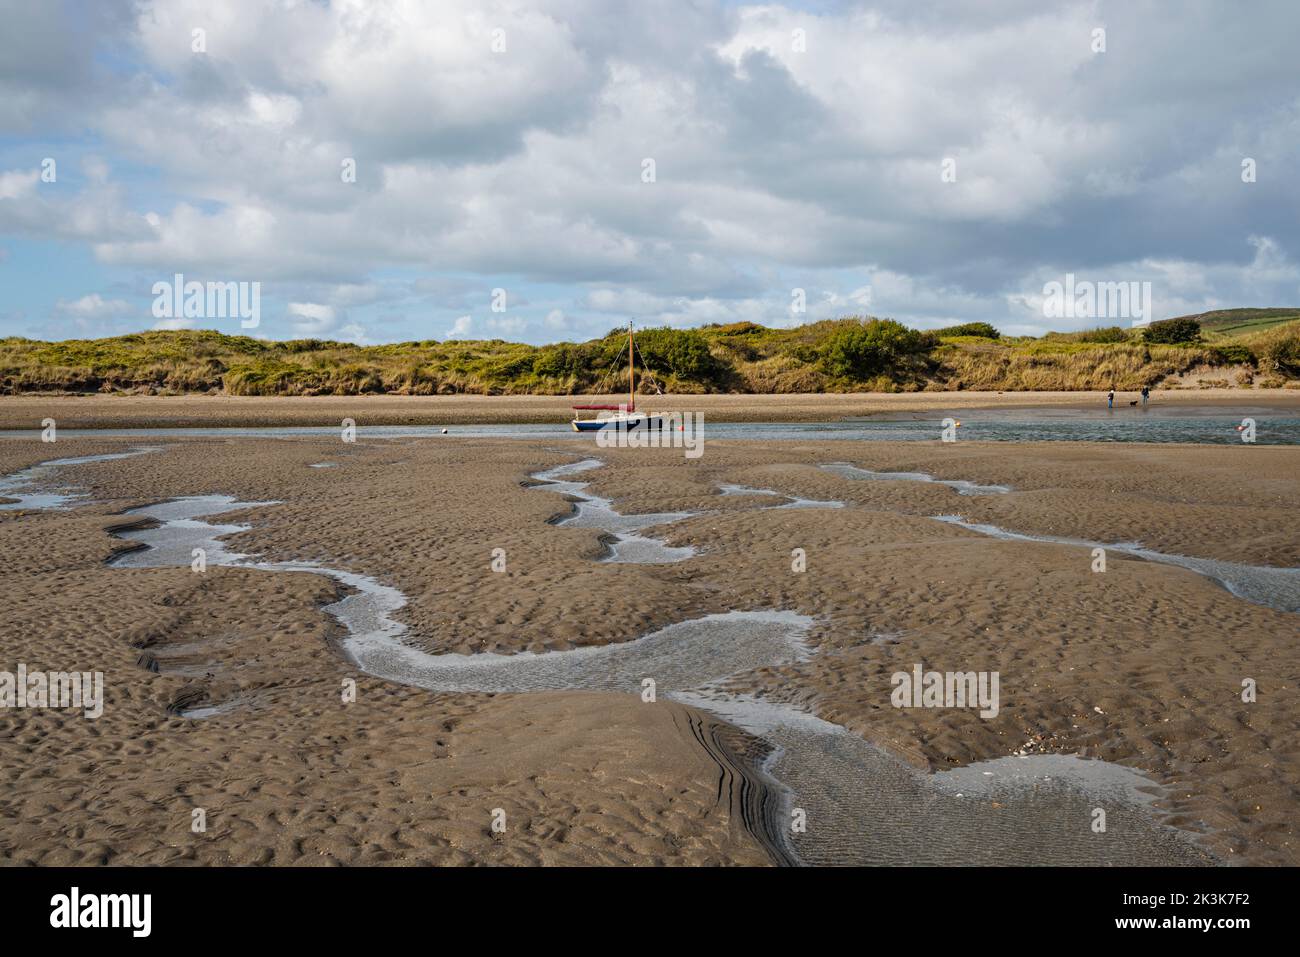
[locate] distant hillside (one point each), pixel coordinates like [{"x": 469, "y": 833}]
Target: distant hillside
[
  {"x": 1238, "y": 322},
  {"x": 1240, "y": 347}
]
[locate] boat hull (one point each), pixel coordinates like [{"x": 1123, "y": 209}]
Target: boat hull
[{"x": 626, "y": 422}]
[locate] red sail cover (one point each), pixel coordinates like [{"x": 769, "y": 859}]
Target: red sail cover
[{"x": 609, "y": 408}]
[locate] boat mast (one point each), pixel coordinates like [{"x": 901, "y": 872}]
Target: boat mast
[{"x": 631, "y": 371}]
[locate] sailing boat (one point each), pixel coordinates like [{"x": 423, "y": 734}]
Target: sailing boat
[{"x": 626, "y": 416}]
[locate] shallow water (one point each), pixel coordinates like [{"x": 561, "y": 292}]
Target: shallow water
[
  {"x": 198, "y": 714},
  {"x": 592, "y": 511},
  {"x": 11, "y": 486},
  {"x": 687, "y": 655},
  {"x": 182, "y": 531},
  {"x": 1209, "y": 425},
  {"x": 680, "y": 656},
  {"x": 792, "y": 501},
  {"x": 863, "y": 806},
  {"x": 962, "y": 486},
  {"x": 1260, "y": 584},
  {"x": 675, "y": 657}
]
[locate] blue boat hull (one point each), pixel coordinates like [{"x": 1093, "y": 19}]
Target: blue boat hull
[{"x": 640, "y": 422}]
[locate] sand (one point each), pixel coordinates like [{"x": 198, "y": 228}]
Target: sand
[
  {"x": 1140, "y": 665},
  {"x": 121, "y": 411}
]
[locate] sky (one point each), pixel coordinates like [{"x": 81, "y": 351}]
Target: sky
[{"x": 398, "y": 170}]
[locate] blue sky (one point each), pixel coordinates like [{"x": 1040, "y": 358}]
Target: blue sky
[{"x": 503, "y": 146}]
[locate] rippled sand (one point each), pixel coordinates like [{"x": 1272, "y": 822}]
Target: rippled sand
[{"x": 1140, "y": 666}]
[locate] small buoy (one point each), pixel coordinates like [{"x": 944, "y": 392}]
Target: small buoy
[
  {"x": 444, "y": 431},
  {"x": 958, "y": 425}
]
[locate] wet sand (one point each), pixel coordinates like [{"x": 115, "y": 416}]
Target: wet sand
[
  {"x": 1140, "y": 665},
  {"x": 121, "y": 411}
]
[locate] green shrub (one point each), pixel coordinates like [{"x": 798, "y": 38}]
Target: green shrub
[
  {"x": 827, "y": 355},
  {"x": 560, "y": 361},
  {"x": 981, "y": 330},
  {"x": 738, "y": 329},
  {"x": 1232, "y": 354},
  {"x": 1104, "y": 334},
  {"x": 309, "y": 345},
  {"x": 863, "y": 350},
  {"x": 510, "y": 367},
  {"x": 683, "y": 353},
  {"x": 264, "y": 378},
  {"x": 805, "y": 353},
  {"x": 1283, "y": 351},
  {"x": 1173, "y": 331}
]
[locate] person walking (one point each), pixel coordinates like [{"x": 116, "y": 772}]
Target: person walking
[
  {"x": 1146, "y": 394},
  {"x": 1110, "y": 399}
]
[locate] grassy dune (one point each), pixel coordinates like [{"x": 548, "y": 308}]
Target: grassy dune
[{"x": 1240, "y": 347}]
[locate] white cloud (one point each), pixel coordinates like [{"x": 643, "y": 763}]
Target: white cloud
[
  {"x": 17, "y": 183},
  {"x": 312, "y": 319},
  {"x": 354, "y": 332},
  {"x": 92, "y": 306},
  {"x": 503, "y": 326},
  {"x": 175, "y": 322},
  {"x": 95, "y": 168},
  {"x": 775, "y": 167},
  {"x": 312, "y": 311}
]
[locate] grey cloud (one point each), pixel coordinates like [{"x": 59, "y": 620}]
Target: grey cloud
[
  {"x": 770, "y": 163},
  {"x": 49, "y": 71}
]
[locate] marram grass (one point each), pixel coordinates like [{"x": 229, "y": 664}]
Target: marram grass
[{"x": 1259, "y": 346}]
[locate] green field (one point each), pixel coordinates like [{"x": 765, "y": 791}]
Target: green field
[
  {"x": 1240, "y": 322},
  {"x": 1239, "y": 347}
]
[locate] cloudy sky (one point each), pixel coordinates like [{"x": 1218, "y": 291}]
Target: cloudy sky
[{"x": 508, "y": 146}]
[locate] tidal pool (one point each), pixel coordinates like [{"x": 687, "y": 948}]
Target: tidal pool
[{"x": 858, "y": 804}]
